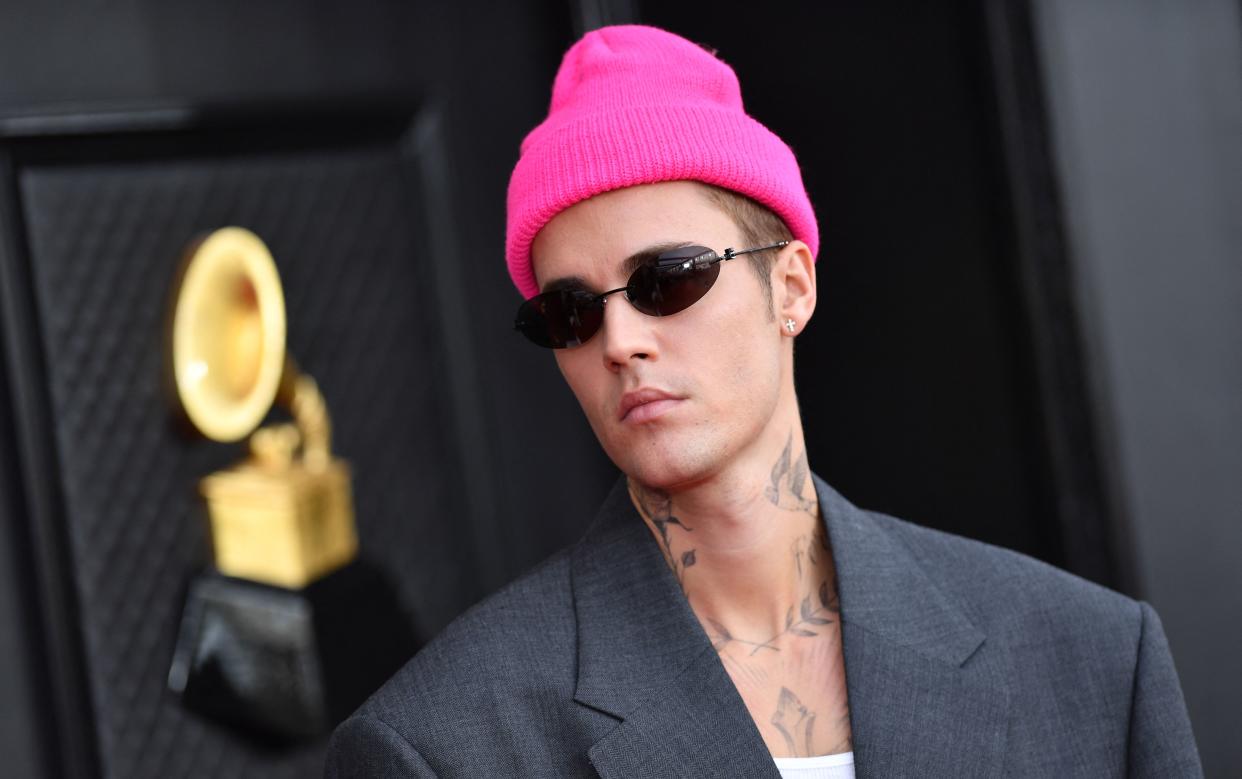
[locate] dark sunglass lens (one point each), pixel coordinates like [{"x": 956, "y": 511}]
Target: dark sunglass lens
[
  {"x": 673, "y": 281},
  {"x": 560, "y": 319}
]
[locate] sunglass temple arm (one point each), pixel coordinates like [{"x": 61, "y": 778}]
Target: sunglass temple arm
[{"x": 730, "y": 254}]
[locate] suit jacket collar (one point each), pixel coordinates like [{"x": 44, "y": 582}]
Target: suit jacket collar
[{"x": 921, "y": 691}]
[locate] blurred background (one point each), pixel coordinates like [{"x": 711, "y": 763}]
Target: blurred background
[{"x": 1029, "y": 330}]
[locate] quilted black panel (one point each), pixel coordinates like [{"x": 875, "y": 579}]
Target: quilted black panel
[{"x": 105, "y": 240}]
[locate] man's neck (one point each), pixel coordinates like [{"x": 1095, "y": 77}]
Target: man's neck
[{"x": 748, "y": 546}]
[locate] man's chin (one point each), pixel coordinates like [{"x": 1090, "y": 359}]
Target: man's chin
[{"x": 667, "y": 473}]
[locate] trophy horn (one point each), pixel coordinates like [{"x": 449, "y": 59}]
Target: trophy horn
[{"x": 227, "y": 336}]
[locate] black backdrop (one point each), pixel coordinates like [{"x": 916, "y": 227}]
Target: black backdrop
[{"x": 370, "y": 144}]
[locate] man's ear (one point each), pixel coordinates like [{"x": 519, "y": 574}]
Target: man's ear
[{"x": 793, "y": 287}]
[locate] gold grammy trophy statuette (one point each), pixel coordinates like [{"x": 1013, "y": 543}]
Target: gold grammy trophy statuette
[{"x": 268, "y": 639}]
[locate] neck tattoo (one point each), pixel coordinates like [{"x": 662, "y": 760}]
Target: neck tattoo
[{"x": 818, "y": 606}]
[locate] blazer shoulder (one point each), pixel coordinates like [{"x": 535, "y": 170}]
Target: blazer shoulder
[
  {"x": 1006, "y": 591},
  {"x": 520, "y": 637},
  {"x": 1087, "y": 669}
]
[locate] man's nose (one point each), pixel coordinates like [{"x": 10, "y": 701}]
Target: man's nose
[{"x": 628, "y": 333}]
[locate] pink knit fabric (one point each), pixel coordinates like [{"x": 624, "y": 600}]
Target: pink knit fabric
[{"x": 636, "y": 105}]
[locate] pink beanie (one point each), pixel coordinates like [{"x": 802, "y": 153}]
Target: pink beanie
[{"x": 636, "y": 105}]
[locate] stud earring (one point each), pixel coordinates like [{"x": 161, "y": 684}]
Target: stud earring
[{"x": 790, "y": 325}]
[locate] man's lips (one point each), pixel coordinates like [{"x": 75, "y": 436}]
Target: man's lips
[{"x": 644, "y": 404}]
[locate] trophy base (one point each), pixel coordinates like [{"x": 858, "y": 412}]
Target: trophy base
[{"x": 288, "y": 664}]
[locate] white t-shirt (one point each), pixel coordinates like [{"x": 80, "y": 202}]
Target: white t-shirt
[{"x": 840, "y": 766}]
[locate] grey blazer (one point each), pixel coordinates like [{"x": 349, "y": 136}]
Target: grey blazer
[{"x": 961, "y": 660}]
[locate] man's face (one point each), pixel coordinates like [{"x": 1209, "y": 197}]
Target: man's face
[{"x": 712, "y": 374}]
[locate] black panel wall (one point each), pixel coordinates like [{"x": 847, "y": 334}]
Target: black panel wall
[{"x": 104, "y": 237}]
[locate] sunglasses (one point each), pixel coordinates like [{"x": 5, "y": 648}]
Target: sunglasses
[{"x": 666, "y": 284}]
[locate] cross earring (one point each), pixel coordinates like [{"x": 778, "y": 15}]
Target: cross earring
[{"x": 790, "y": 325}]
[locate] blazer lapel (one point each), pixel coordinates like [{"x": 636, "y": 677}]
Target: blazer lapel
[
  {"x": 927, "y": 696},
  {"x": 644, "y": 658}
]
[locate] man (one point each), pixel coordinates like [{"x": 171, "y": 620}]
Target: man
[{"x": 728, "y": 613}]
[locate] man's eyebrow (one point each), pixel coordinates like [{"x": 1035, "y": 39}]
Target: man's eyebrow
[{"x": 627, "y": 266}]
